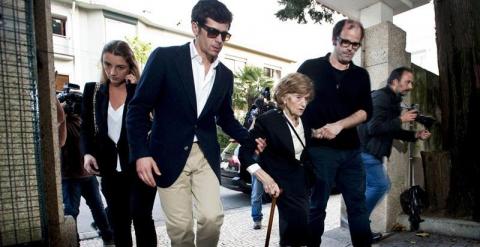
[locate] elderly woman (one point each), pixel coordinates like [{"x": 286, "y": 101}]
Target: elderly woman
[{"x": 279, "y": 167}]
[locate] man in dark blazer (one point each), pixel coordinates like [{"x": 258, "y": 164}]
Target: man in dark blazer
[{"x": 189, "y": 92}]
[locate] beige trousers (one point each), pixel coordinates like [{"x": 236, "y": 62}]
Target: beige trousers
[{"x": 195, "y": 193}]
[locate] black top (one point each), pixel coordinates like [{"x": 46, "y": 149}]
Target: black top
[
  {"x": 385, "y": 125},
  {"x": 338, "y": 94}
]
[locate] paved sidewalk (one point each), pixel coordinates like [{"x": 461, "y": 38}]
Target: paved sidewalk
[
  {"x": 237, "y": 232},
  {"x": 237, "y": 228},
  {"x": 340, "y": 237}
]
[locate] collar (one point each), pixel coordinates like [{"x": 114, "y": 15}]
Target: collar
[
  {"x": 195, "y": 56},
  {"x": 389, "y": 90},
  {"x": 326, "y": 58}
]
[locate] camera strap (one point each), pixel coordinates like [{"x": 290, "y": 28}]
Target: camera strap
[{"x": 95, "y": 126}]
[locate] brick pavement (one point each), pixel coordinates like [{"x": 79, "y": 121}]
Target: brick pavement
[
  {"x": 237, "y": 228},
  {"x": 237, "y": 232}
]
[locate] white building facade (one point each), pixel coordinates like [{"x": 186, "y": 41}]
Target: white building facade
[{"x": 81, "y": 28}]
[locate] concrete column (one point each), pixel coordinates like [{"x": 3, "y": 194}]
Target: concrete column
[
  {"x": 376, "y": 14},
  {"x": 385, "y": 51}
]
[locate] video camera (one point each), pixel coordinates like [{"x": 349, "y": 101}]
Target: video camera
[
  {"x": 426, "y": 121},
  {"x": 72, "y": 99}
]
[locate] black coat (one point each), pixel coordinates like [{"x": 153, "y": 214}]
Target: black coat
[
  {"x": 167, "y": 87},
  {"x": 99, "y": 145},
  {"x": 376, "y": 136},
  {"x": 278, "y": 158}
]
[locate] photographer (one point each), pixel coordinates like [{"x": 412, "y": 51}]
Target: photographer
[
  {"x": 385, "y": 125},
  {"x": 76, "y": 181}
]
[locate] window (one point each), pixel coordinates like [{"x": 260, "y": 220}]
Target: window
[
  {"x": 235, "y": 64},
  {"x": 276, "y": 74},
  {"x": 58, "y": 25}
]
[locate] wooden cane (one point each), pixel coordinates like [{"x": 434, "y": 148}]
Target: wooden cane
[{"x": 270, "y": 221}]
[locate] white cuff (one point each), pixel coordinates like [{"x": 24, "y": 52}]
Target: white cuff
[{"x": 253, "y": 168}]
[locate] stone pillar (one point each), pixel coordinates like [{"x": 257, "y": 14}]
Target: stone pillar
[{"x": 385, "y": 51}]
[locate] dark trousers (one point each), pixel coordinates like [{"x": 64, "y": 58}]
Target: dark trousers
[
  {"x": 73, "y": 189},
  {"x": 130, "y": 199},
  {"x": 293, "y": 220},
  {"x": 345, "y": 169}
]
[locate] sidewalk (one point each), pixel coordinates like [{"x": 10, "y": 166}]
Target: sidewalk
[{"x": 237, "y": 232}]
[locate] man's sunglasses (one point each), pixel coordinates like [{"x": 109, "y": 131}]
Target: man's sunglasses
[
  {"x": 346, "y": 43},
  {"x": 213, "y": 32}
]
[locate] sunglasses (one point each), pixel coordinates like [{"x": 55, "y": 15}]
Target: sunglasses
[
  {"x": 346, "y": 43},
  {"x": 213, "y": 32}
]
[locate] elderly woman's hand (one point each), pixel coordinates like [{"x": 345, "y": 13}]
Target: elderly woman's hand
[{"x": 269, "y": 185}]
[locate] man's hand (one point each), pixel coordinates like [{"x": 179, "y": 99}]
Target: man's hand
[
  {"x": 329, "y": 131},
  {"x": 408, "y": 116},
  {"x": 423, "y": 134},
  {"x": 90, "y": 164},
  {"x": 261, "y": 145},
  {"x": 144, "y": 167}
]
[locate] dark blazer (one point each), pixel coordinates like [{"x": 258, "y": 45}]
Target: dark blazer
[
  {"x": 100, "y": 145},
  {"x": 278, "y": 158},
  {"x": 376, "y": 136},
  {"x": 167, "y": 88}
]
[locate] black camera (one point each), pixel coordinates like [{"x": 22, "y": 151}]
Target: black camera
[
  {"x": 426, "y": 121},
  {"x": 72, "y": 99}
]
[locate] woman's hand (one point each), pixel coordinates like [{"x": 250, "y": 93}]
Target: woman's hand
[
  {"x": 269, "y": 185},
  {"x": 131, "y": 78},
  {"x": 90, "y": 164}
]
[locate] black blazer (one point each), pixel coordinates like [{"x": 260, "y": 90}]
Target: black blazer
[
  {"x": 278, "y": 158},
  {"x": 100, "y": 145},
  {"x": 167, "y": 88}
]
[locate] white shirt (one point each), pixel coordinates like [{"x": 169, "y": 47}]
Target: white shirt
[
  {"x": 297, "y": 145},
  {"x": 203, "y": 82},
  {"x": 114, "y": 121}
]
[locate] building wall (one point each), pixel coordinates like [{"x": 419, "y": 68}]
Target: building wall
[{"x": 77, "y": 54}]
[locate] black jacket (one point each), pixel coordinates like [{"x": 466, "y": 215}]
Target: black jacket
[
  {"x": 167, "y": 87},
  {"x": 376, "y": 136},
  {"x": 100, "y": 145},
  {"x": 278, "y": 158},
  {"x": 338, "y": 94}
]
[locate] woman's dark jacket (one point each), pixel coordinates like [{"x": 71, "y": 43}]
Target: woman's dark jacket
[
  {"x": 278, "y": 158},
  {"x": 99, "y": 145}
]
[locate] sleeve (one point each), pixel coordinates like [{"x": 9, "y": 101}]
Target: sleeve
[
  {"x": 142, "y": 103},
  {"x": 366, "y": 98},
  {"x": 62, "y": 126},
  {"x": 226, "y": 118},
  {"x": 87, "y": 126},
  {"x": 379, "y": 123},
  {"x": 247, "y": 154}
]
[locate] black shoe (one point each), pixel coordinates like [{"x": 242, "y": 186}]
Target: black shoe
[
  {"x": 257, "y": 225},
  {"x": 376, "y": 237}
]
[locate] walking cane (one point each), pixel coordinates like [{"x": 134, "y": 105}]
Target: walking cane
[{"x": 270, "y": 221}]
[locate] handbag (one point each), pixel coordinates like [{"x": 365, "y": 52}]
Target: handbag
[
  {"x": 305, "y": 159},
  {"x": 95, "y": 126}
]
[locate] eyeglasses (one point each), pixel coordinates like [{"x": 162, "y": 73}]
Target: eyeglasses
[
  {"x": 346, "y": 43},
  {"x": 213, "y": 32}
]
